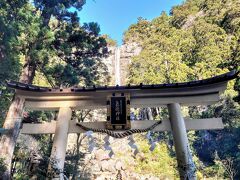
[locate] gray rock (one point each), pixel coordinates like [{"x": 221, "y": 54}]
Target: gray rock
[
  {"x": 108, "y": 165},
  {"x": 119, "y": 165},
  {"x": 96, "y": 168},
  {"x": 101, "y": 155}
]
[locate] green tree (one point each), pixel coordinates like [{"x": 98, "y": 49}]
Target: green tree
[
  {"x": 162, "y": 57},
  {"x": 199, "y": 39},
  {"x": 212, "y": 50},
  {"x": 137, "y": 32},
  {"x": 41, "y": 26},
  {"x": 181, "y": 13}
]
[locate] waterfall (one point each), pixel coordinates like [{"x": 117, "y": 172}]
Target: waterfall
[{"x": 117, "y": 66}]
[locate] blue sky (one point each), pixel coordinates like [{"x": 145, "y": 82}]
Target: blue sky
[{"x": 115, "y": 16}]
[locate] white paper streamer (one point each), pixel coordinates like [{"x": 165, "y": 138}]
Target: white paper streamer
[
  {"x": 89, "y": 133},
  {"x": 91, "y": 141},
  {"x": 111, "y": 153},
  {"x": 107, "y": 146},
  {"x": 152, "y": 147},
  {"x": 151, "y": 141},
  {"x": 133, "y": 145},
  {"x": 135, "y": 152}
]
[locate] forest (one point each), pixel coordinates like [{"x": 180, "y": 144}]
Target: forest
[{"x": 44, "y": 43}]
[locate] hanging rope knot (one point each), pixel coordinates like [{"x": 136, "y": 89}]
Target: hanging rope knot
[{"x": 120, "y": 134}]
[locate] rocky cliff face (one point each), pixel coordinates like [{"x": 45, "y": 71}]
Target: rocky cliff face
[{"x": 119, "y": 60}]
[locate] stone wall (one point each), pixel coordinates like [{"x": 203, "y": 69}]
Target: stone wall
[{"x": 98, "y": 165}]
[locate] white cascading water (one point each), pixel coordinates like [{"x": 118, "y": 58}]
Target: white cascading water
[{"x": 117, "y": 66}]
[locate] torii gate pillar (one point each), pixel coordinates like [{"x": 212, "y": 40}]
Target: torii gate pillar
[
  {"x": 60, "y": 143},
  {"x": 186, "y": 166}
]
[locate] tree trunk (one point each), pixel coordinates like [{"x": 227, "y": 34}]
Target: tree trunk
[
  {"x": 28, "y": 72},
  {"x": 8, "y": 141},
  {"x": 13, "y": 121}
]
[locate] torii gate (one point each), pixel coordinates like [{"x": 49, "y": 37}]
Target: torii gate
[{"x": 202, "y": 92}]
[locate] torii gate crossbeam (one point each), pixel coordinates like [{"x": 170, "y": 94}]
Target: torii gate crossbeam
[{"x": 203, "y": 92}]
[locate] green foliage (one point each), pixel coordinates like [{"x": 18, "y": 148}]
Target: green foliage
[
  {"x": 109, "y": 40},
  {"x": 199, "y": 39},
  {"x": 211, "y": 51},
  {"x": 10, "y": 66},
  {"x": 159, "y": 162},
  {"x": 63, "y": 74},
  {"x": 163, "y": 56},
  {"x": 59, "y": 9},
  {"x": 172, "y": 55},
  {"x": 21, "y": 176},
  {"x": 43, "y": 42},
  {"x": 78, "y": 50},
  {"x": 27, "y": 149},
  {"x": 137, "y": 32},
  {"x": 231, "y": 20},
  {"x": 181, "y": 13},
  {"x": 45, "y": 39},
  {"x": 225, "y": 142},
  {"x": 2, "y": 166},
  {"x": 38, "y": 116}
]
